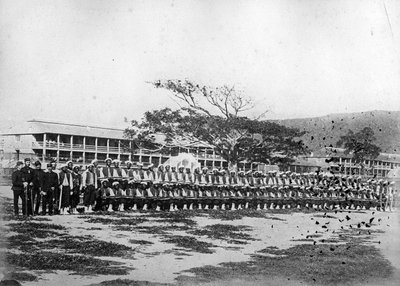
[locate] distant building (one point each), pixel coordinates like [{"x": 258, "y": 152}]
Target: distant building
[{"x": 335, "y": 160}]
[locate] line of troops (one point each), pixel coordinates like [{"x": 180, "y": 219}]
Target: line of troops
[{"x": 113, "y": 188}]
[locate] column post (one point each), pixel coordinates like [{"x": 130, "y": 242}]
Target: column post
[
  {"x": 95, "y": 147},
  {"x": 108, "y": 147},
  {"x": 71, "y": 149},
  {"x": 119, "y": 149},
  {"x": 44, "y": 148},
  {"x": 58, "y": 148},
  {"x": 84, "y": 150}
]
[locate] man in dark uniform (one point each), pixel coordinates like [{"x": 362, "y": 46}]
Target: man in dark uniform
[
  {"x": 76, "y": 184},
  {"x": 18, "y": 187},
  {"x": 28, "y": 177},
  {"x": 38, "y": 177},
  {"x": 50, "y": 185}
]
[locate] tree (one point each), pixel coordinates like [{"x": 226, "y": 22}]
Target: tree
[
  {"x": 361, "y": 145},
  {"x": 214, "y": 116}
]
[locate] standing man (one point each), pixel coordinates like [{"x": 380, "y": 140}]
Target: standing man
[
  {"x": 18, "y": 187},
  {"x": 28, "y": 178},
  {"x": 89, "y": 185},
  {"x": 38, "y": 178},
  {"x": 107, "y": 170},
  {"x": 76, "y": 184},
  {"x": 70, "y": 166},
  {"x": 66, "y": 187},
  {"x": 50, "y": 184}
]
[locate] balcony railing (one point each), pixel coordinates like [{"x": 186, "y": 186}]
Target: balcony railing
[{"x": 111, "y": 149}]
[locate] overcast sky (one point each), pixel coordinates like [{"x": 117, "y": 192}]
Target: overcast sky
[{"x": 88, "y": 61}]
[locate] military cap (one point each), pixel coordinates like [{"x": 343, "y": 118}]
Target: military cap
[
  {"x": 37, "y": 163},
  {"x": 49, "y": 165},
  {"x": 19, "y": 163},
  {"x": 27, "y": 159}
]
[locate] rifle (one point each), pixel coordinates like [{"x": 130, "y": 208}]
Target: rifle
[
  {"x": 26, "y": 199},
  {"x": 59, "y": 202},
  {"x": 32, "y": 202}
]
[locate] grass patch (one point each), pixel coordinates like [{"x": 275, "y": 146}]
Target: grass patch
[
  {"x": 71, "y": 244},
  {"x": 20, "y": 276},
  {"x": 141, "y": 242},
  {"x": 57, "y": 261},
  {"x": 225, "y": 232},
  {"x": 127, "y": 282},
  {"x": 190, "y": 243},
  {"x": 119, "y": 221},
  {"x": 324, "y": 264},
  {"x": 37, "y": 230}
]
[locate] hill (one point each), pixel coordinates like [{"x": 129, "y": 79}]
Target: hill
[{"x": 326, "y": 130}]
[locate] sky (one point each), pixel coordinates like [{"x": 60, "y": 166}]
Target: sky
[{"x": 91, "y": 61}]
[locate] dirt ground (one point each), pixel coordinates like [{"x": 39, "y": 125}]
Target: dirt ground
[{"x": 247, "y": 247}]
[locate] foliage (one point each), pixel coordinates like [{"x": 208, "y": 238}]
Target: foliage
[
  {"x": 360, "y": 144},
  {"x": 213, "y": 116}
]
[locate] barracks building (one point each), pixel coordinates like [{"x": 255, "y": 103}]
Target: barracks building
[{"x": 48, "y": 140}]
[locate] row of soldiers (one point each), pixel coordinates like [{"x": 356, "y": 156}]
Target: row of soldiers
[{"x": 114, "y": 188}]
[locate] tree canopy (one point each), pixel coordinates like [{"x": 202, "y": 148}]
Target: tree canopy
[
  {"x": 214, "y": 116},
  {"x": 360, "y": 144}
]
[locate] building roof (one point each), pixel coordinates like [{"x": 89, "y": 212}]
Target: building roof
[{"x": 40, "y": 127}]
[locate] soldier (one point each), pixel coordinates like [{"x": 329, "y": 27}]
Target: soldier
[
  {"x": 97, "y": 169},
  {"x": 50, "y": 184},
  {"x": 180, "y": 176},
  {"x": 76, "y": 188},
  {"x": 167, "y": 174},
  {"x": 174, "y": 175},
  {"x": 215, "y": 177},
  {"x": 70, "y": 166},
  {"x": 150, "y": 174},
  {"x": 107, "y": 169},
  {"x": 66, "y": 189},
  {"x": 232, "y": 180},
  {"x": 89, "y": 185},
  {"x": 129, "y": 170},
  {"x": 203, "y": 177},
  {"x": 28, "y": 178},
  {"x": 116, "y": 171},
  {"x": 139, "y": 172},
  {"x": 160, "y": 175},
  {"x": 188, "y": 177},
  {"x": 38, "y": 176},
  {"x": 18, "y": 187}
]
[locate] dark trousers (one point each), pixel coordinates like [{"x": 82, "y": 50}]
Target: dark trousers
[
  {"x": 19, "y": 194},
  {"x": 30, "y": 200},
  {"x": 74, "y": 198},
  {"x": 65, "y": 193},
  {"x": 48, "y": 201},
  {"x": 89, "y": 196},
  {"x": 37, "y": 198}
]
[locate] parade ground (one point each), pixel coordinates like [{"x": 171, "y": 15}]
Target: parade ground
[{"x": 202, "y": 247}]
